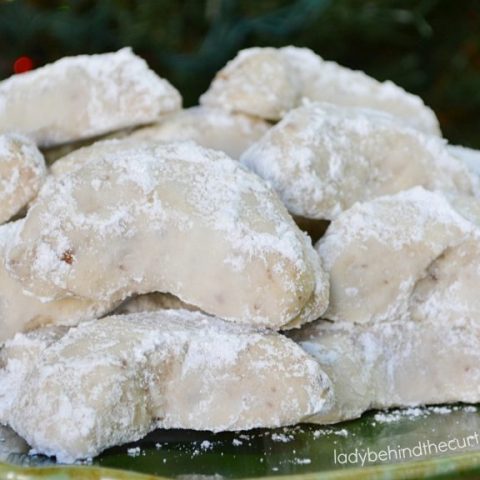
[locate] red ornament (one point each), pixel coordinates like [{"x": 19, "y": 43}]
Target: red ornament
[{"x": 22, "y": 65}]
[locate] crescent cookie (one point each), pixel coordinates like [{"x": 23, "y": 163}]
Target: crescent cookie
[
  {"x": 174, "y": 218},
  {"x": 268, "y": 82},
  {"x": 108, "y": 382},
  {"x": 84, "y": 96},
  {"x": 395, "y": 364},
  {"x": 385, "y": 257},
  {"x": 322, "y": 158}
]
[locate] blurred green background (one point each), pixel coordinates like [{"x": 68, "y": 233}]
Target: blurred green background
[{"x": 430, "y": 47}]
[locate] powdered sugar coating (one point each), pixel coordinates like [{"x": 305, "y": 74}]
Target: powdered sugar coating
[
  {"x": 18, "y": 356},
  {"x": 404, "y": 272},
  {"x": 84, "y": 96},
  {"x": 257, "y": 82},
  {"x": 21, "y": 312},
  {"x": 469, "y": 156},
  {"x": 209, "y": 127},
  {"x": 22, "y": 173},
  {"x": 268, "y": 82},
  {"x": 326, "y": 81},
  {"x": 378, "y": 253},
  {"x": 135, "y": 218},
  {"x": 449, "y": 290},
  {"x": 322, "y": 158},
  {"x": 395, "y": 364},
  {"x": 114, "y": 380}
]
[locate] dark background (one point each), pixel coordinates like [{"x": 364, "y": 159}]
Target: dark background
[{"x": 430, "y": 47}]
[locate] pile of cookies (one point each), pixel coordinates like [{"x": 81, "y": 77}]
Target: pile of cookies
[{"x": 301, "y": 247}]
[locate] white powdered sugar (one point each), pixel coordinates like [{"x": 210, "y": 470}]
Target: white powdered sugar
[
  {"x": 21, "y": 311},
  {"x": 257, "y": 82},
  {"x": 17, "y": 357},
  {"x": 383, "y": 249},
  {"x": 414, "y": 413},
  {"x": 84, "y": 96},
  {"x": 328, "y": 81},
  {"x": 22, "y": 173},
  {"x": 209, "y": 127},
  {"x": 385, "y": 365},
  {"x": 113, "y": 380},
  {"x": 469, "y": 156},
  {"x": 393, "y": 220},
  {"x": 150, "y": 200},
  {"x": 164, "y": 215},
  {"x": 268, "y": 82},
  {"x": 322, "y": 158}
]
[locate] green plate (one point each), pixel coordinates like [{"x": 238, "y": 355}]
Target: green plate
[{"x": 437, "y": 442}]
